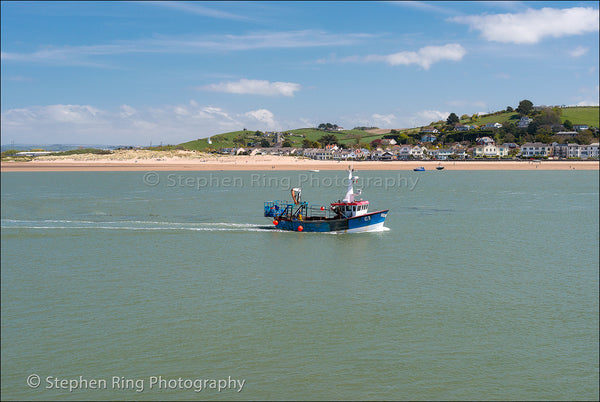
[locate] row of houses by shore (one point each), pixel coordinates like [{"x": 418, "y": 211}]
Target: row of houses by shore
[{"x": 409, "y": 152}]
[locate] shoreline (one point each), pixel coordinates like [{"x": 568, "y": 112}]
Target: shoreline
[{"x": 250, "y": 163}]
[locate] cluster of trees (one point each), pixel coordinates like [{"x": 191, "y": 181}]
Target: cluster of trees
[
  {"x": 327, "y": 126},
  {"x": 322, "y": 142}
]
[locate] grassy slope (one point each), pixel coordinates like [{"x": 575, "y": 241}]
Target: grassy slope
[
  {"x": 577, "y": 115},
  {"x": 589, "y": 115}
]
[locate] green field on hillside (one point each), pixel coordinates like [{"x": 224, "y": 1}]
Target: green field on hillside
[
  {"x": 501, "y": 118},
  {"x": 589, "y": 115}
]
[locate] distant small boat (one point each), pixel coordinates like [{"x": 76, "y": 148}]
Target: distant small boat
[
  {"x": 314, "y": 170},
  {"x": 439, "y": 167},
  {"x": 419, "y": 169}
]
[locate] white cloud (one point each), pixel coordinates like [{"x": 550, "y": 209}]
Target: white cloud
[
  {"x": 264, "y": 116},
  {"x": 195, "y": 8},
  {"x": 427, "y": 7},
  {"x": 427, "y": 116},
  {"x": 127, "y": 111},
  {"x": 424, "y": 57},
  {"x": 126, "y": 125},
  {"x": 160, "y": 44},
  {"x": 76, "y": 114},
  {"x": 255, "y": 87},
  {"x": 383, "y": 120},
  {"x": 532, "y": 25},
  {"x": 592, "y": 96},
  {"x": 578, "y": 51}
]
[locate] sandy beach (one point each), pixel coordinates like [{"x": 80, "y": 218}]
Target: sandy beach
[{"x": 141, "y": 160}]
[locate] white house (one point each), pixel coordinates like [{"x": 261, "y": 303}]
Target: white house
[
  {"x": 418, "y": 152},
  {"x": 404, "y": 152},
  {"x": 580, "y": 127},
  {"x": 536, "y": 149},
  {"x": 582, "y": 151},
  {"x": 524, "y": 122},
  {"x": 589, "y": 151},
  {"x": 461, "y": 127},
  {"x": 441, "y": 153},
  {"x": 318, "y": 153},
  {"x": 492, "y": 126},
  {"x": 491, "y": 150},
  {"x": 343, "y": 154},
  {"x": 460, "y": 153}
]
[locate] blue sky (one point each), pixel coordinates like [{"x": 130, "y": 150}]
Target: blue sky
[{"x": 135, "y": 73}]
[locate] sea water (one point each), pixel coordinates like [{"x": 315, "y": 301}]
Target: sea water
[{"x": 172, "y": 285}]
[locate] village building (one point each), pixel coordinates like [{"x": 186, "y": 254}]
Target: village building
[{"x": 536, "y": 149}]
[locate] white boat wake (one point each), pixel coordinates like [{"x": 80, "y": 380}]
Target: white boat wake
[
  {"x": 131, "y": 225},
  {"x": 137, "y": 225}
]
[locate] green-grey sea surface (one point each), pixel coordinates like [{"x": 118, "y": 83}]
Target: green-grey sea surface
[{"x": 169, "y": 285}]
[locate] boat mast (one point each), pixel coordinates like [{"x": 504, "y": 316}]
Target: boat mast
[{"x": 351, "y": 180}]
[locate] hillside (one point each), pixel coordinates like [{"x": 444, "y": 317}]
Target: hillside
[
  {"x": 589, "y": 115},
  {"x": 295, "y": 137}
]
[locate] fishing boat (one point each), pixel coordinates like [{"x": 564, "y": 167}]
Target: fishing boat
[
  {"x": 349, "y": 215},
  {"x": 439, "y": 167},
  {"x": 419, "y": 169}
]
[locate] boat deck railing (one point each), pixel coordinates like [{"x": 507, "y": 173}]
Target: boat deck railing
[{"x": 287, "y": 209}]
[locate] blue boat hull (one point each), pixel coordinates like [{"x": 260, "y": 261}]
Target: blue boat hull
[{"x": 366, "y": 223}]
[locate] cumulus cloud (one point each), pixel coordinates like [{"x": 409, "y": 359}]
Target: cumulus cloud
[
  {"x": 427, "y": 116},
  {"x": 383, "y": 120},
  {"x": 423, "y": 57},
  {"x": 592, "y": 96},
  {"x": 255, "y": 87},
  {"x": 78, "y": 114},
  {"x": 532, "y": 26},
  {"x": 126, "y": 125},
  {"x": 264, "y": 116}
]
